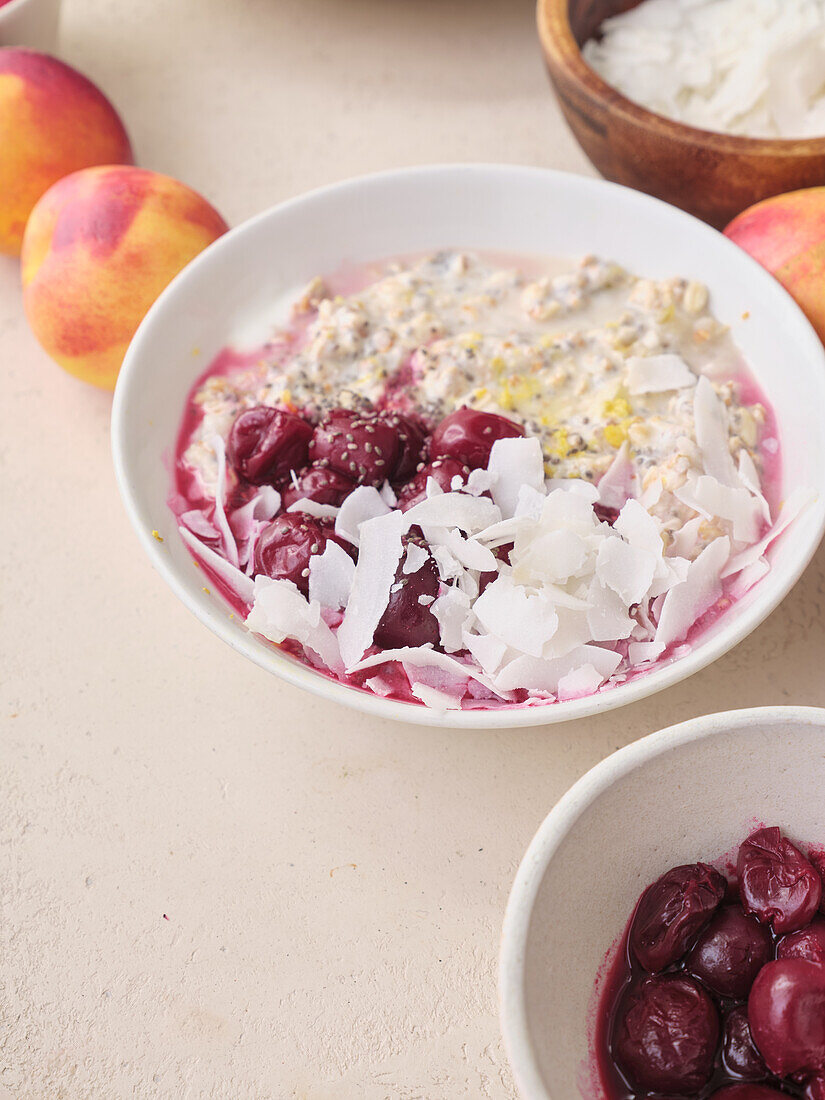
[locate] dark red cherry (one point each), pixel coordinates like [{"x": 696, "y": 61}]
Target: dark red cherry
[
  {"x": 468, "y": 436},
  {"x": 672, "y": 912},
  {"x": 666, "y": 1035},
  {"x": 605, "y": 513},
  {"x": 264, "y": 444},
  {"x": 321, "y": 484},
  {"x": 730, "y": 952},
  {"x": 413, "y": 437},
  {"x": 442, "y": 471},
  {"x": 739, "y": 1053},
  {"x": 748, "y": 1092},
  {"x": 815, "y": 1089},
  {"x": 807, "y": 943},
  {"x": 786, "y": 1012},
  {"x": 284, "y": 547},
  {"x": 776, "y": 882},
  {"x": 363, "y": 446},
  {"x": 406, "y": 621}
]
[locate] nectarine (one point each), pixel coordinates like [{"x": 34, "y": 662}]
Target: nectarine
[
  {"x": 99, "y": 248},
  {"x": 53, "y": 121},
  {"x": 786, "y": 234}
]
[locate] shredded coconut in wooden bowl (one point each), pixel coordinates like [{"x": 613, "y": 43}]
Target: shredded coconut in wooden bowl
[{"x": 750, "y": 67}]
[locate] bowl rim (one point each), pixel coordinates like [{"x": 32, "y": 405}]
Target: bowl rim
[
  {"x": 15, "y": 5},
  {"x": 300, "y": 675},
  {"x": 559, "y": 44},
  {"x": 553, "y": 831}
]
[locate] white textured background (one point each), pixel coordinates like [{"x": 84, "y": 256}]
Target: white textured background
[{"x": 334, "y": 885}]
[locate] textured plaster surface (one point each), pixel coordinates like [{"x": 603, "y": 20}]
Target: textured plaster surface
[{"x": 212, "y": 885}]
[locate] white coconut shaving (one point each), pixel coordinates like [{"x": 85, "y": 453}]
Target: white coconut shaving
[
  {"x": 221, "y": 522},
  {"x": 330, "y": 577},
  {"x": 235, "y": 580},
  {"x": 658, "y": 373},
  {"x": 379, "y": 553},
  {"x": 754, "y": 67},
  {"x": 362, "y": 504}
]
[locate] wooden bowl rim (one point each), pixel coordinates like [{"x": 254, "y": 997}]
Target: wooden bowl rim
[{"x": 559, "y": 45}]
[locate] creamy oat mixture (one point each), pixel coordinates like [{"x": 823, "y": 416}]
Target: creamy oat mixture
[
  {"x": 626, "y": 498},
  {"x": 558, "y": 353}
]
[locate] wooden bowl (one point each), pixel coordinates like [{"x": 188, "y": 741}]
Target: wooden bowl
[{"x": 712, "y": 175}]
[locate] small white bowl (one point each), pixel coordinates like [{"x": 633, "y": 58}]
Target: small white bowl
[
  {"x": 237, "y": 290},
  {"x": 691, "y": 792},
  {"x": 30, "y": 23}
]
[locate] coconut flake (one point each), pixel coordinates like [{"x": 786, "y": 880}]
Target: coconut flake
[
  {"x": 363, "y": 504},
  {"x": 388, "y": 495},
  {"x": 331, "y": 576},
  {"x": 712, "y": 434},
  {"x": 280, "y": 611},
  {"x": 415, "y": 557},
  {"x": 221, "y": 522},
  {"x": 522, "y": 619},
  {"x": 627, "y": 569},
  {"x": 314, "y": 508},
  {"x": 435, "y": 699},
  {"x": 620, "y": 481},
  {"x": 686, "y": 539},
  {"x": 580, "y": 682},
  {"x": 710, "y": 498},
  {"x": 378, "y": 556},
  {"x": 515, "y": 463},
  {"x": 749, "y": 476},
  {"x": 486, "y": 649},
  {"x": 658, "y": 374},
  {"x": 468, "y": 513},
  {"x": 534, "y": 673},
  {"x": 237, "y": 581},
  {"x": 796, "y": 503},
  {"x": 451, "y": 609},
  {"x": 685, "y": 603},
  {"x": 199, "y": 525},
  {"x": 480, "y": 481},
  {"x": 424, "y": 656},
  {"x": 607, "y": 617}
]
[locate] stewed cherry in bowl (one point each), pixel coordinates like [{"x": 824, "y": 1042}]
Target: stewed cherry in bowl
[
  {"x": 665, "y": 933},
  {"x": 718, "y": 990}
]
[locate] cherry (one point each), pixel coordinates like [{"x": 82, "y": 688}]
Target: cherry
[
  {"x": 776, "y": 882},
  {"x": 786, "y": 1012},
  {"x": 730, "y": 952},
  {"x": 807, "y": 943},
  {"x": 748, "y": 1092},
  {"x": 321, "y": 484},
  {"x": 284, "y": 547},
  {"x": 468, "y": 435},
  {"x": 364, "y": 446},
  {"x": 264, "y": 444},
  {"x": 442, "y": 471},
  {"x": 815, "y": 1089},
  {"x": 605, "y": 513},
  {"x": 413, "y": 438},
  {"x": 672, "y": 912},
  {"x": 739, "y": 1053},
  {"x": 666, "y": 1035},
  {"x": 406, "y": 622}
]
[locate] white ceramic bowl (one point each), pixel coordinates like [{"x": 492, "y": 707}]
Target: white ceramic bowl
[
  {"x": 691, "y": 792},
  {"x": 237, "y": 289},
  {"x": 30, "y": 23}
]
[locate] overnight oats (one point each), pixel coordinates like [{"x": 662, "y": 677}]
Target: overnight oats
[{"x": 471, "y": 482}]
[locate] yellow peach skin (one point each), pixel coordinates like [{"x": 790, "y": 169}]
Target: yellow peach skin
[
  {"x": 786, "y": 234},
  {"x": 99, "y": 248},
  {"x": 53, "y": 121}
]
